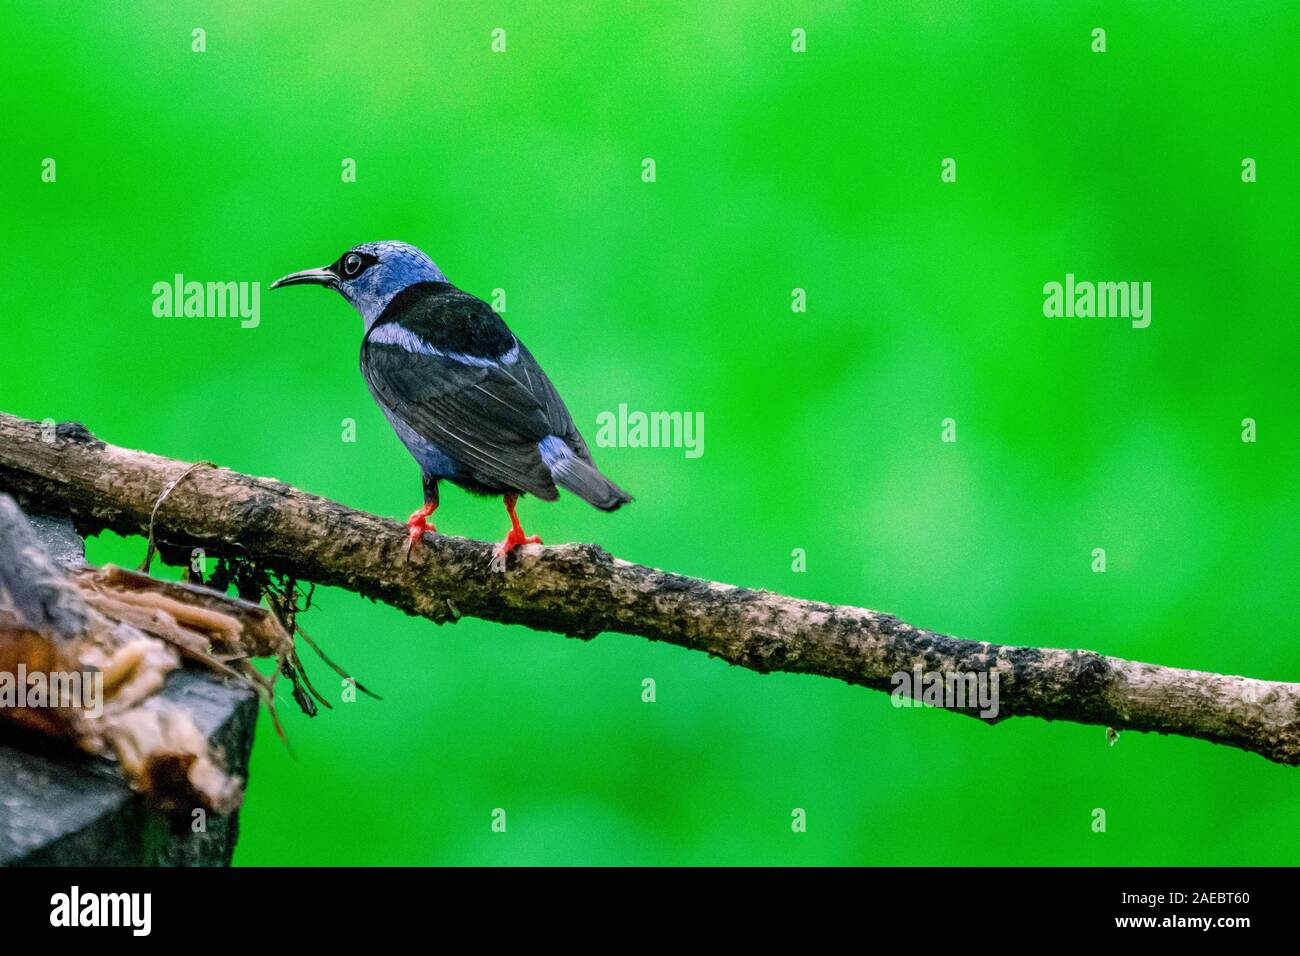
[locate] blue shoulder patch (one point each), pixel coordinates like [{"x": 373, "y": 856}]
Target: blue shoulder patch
[{"x": 394, "y": 333}]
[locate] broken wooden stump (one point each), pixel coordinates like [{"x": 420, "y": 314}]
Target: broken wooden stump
[{"x": 62, "y": 805}]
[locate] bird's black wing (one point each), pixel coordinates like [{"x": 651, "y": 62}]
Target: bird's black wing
[
  {"x": 445, "y": 363},
  {"x": 558, "y": 416}
]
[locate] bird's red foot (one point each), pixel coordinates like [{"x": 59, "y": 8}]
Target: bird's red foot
[
  {"x": 514, "y": 539},
  {"x": 417, "y": 525}
]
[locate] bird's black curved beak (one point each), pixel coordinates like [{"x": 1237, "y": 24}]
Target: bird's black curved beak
[{"x": 308, "y": 277}]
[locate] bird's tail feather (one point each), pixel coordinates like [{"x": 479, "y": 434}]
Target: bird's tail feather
[{"x": 575, "y": 475}]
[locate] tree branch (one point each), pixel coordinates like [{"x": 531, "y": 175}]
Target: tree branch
[{"x": 580, "y": 590}]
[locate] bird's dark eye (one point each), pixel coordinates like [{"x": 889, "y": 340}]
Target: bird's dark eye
[{"x": 351, "y": 265}]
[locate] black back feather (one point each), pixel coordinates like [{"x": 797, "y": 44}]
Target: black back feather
[{"x": 487, "y": 417}]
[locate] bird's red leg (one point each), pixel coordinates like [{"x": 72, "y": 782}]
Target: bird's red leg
[
  {"x": 418, "y": 523},
  {"x": 516, "y": 536}
]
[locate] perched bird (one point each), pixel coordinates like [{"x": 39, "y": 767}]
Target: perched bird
[{"x": 464, "y": 395}]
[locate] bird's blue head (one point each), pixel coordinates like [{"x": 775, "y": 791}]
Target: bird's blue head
[{"x": 369, "y": 275}]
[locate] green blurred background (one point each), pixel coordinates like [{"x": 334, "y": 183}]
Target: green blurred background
[{"x": 776, "y": 170}]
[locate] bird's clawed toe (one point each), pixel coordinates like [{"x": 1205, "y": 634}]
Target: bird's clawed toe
[
  {"x": 514, "y": 539},
  {"x": 417, "y": 525}
]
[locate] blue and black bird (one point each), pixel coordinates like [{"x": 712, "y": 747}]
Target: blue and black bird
[{"x": 464, "y": 395}]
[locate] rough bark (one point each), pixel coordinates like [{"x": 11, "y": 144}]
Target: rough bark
[{"x": 580, "y": 590}]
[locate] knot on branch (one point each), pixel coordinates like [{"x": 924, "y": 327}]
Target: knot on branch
[{"x": 77, "y": 433}]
